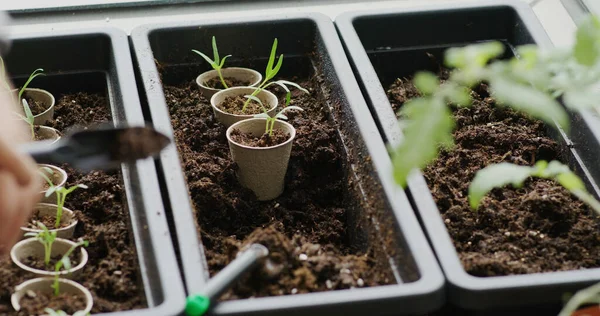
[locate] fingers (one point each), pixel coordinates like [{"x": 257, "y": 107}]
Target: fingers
[{"x": 20, "y": 165}]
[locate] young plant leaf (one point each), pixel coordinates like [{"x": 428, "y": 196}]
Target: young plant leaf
[
  {"x": 208, "y": 59},
  {"x": 215, "y": 50},
  {"x": 496, "y": 176},
  {"x": 587, "y": 48},
  {"x": 429, "y": 124},
  {"x": 529, "y": 100},
  {"x": 35, "y": 73},
  {"x": 476, "y": 55},
  {"x": 426, "y": 82}
]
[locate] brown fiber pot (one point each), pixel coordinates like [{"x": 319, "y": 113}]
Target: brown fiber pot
[
  {"x": 31, "y": 247},
  {"x": 241, "y": 74},
  {"x": 261, "y": 169},
  {"x": 61, "y": 182},
  {"x": 44, "y": 285},
  {"x": 268, "y": 99},
  {"x": 45, "y": 209}
]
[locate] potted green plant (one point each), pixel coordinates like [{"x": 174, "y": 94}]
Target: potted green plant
[{"x": 53, "y": 177}]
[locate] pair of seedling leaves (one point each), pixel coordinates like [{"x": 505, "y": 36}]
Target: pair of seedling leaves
[
  {"x": 530, "y": 82},
  {"x": 271, "y": 71},
  {"x": 47, "y": 238},
  {"x": 61, "y": 192}
]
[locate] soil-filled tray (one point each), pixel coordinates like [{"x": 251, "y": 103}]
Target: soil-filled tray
[
  {"x": 334, "y": 229},
  {"x": 524, "y": 247},
  {"x": 132, "y": 265}
]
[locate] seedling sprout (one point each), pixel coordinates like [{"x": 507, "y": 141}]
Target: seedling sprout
[
  {"x": 61, "y": 196},
  {"x": 35, "y": 73},
  {"x": 216, "y": 62},
  {"x": 66, "y": 263},
  {"x": 45, "y": 172},
  {"x": 28, "y": 118},
  {"x": 45, "y": 237},
  {"x": 270, "y": 73},
  {"x": 271, "y": 120}
]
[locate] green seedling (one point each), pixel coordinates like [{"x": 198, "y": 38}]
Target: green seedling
[
  {"x": 216, "y": 62},
  {"x": 52, "y": 312},
  {"x": 499, "y": 175},
  {"x": 270, "y": 73},
  {"x": 35, "y": 73},
  {"x": 530, "y": 83},
  {"x": 61, "y": 196},
  {"x": 28, "y": 118},
  {"x": 271, "y": 120},
  {"x": 45, "y": 237},
  {"x": 589, "y": 295},
  {"x": 65, "y": 262},
  {"x": 45, "y": 172}
]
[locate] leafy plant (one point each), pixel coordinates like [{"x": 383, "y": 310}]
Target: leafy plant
[
  {"x": 499, "y": 175},
  {"x": 270, "y": 73},
  {"x": 45, "y": 237},
  {"x": 589, "y": 295},
  {"x": 65, "y": 262},
  {"x": 52, "y": 312},
  {"x": 530, "y": 82},
  {"x": 35, "y": 73},
  {"x": 271, "y": 120},
  {"x": 28, "y": 118},
  {"x": 216, "y": 62},
  {"x": 61, "y": 196}
]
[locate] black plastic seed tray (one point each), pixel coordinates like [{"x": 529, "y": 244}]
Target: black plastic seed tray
[
  {"x": 98, "y": 61},
  {"x": 388, "y": 44},
  {"x": 306, "y": 40}
]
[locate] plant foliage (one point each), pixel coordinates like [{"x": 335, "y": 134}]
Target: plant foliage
[{"x": 216, "y": 62}]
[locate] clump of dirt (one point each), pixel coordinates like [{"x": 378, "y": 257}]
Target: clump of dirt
[
  {"x": 34, "y": 303},
  {"x": 234, "y": 105},
  {"x": 111, "y": 273},
  {"x": 308, "y": 218},
  {"x": 215, "y": 83},
  {"x": 540, "y": 227},
  {"x": 265, "y": 140}
]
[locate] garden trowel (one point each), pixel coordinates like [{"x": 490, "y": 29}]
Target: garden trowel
[{"x": 99, "y": 148}]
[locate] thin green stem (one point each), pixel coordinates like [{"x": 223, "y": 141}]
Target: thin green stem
[
  {"x": 222, "y": 79},
  {"x": 60, "y": 201},
  {"x": 48, "y": 250},
  {"x": 32, "y": 131}
]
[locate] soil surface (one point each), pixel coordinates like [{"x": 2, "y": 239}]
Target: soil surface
[
  {"x": 38, "y": 262},
  {"x": 111, "y": 273},
  {"x": 540, "y": 227},
  {"x": 34, "y": 303},
  {"x": 48, "y": 221},
  {"x": 36, "y": 107},
  {"x": 234, "y": 105},
  {"x": 215, "y": 83},
  {"x": 265, "y": 140},
  {"x": 304, "y": 229}
]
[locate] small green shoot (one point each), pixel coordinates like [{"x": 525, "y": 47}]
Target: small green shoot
[
  {"x": 45, "y": 237},
  {"x": 270, "y": 124},
  {"x": 216, "y": 62},
  {"x": 52, "y": 312},
  {"x": 28, "y": 118},
  {"x": 35, "y": 73},
  {"x": 270, "y": 73},
  {"x": 589, "y": 295},
  {"x": 66, "y": 263},
  {"x": 61, "y": 196},
  {"x": 45, "y": 172},
  {"x": 499, "y": 175},
  {"x": 531, "y": 82}
]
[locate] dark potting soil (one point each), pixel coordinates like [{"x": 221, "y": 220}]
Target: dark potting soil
[
  {"x": 111, "y": 273},
  {"x": 540, "y": 227},
  {"x": 234, "y": 105},
  {"x": 304, "y": 229},
  {"x": 265, "y": 140},
  {"x": 38, "y": 262},
  {"x": 215, "y": 83},
  {"x": 36, "y": 107},
  {"x": 34, "y": 303},
  {"x": 48, "y": 220}
]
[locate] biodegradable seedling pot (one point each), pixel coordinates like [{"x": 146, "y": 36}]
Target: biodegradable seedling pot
[
  {"x": 45, "y": 209},
  {"x": 43, "y": 285},
  {"x": 261, "y": 169},
  {"x": 251, "y": 76},
  {"x": 45, "y": 98},
  {"x": 267, "y": 98},
  {"x": 47, "y": 133},
  {"x": 31, "y": 247},
  {"x": 61, "y": 180}
]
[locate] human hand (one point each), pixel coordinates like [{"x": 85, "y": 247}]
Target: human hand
[{"x": 19, "y": 184}]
